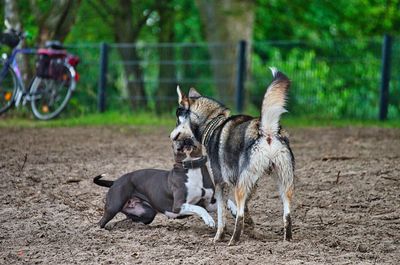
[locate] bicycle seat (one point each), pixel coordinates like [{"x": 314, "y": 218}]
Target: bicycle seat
[{"x": 54, "y": 44}]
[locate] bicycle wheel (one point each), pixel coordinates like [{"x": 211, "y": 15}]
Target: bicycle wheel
[
  {"x": 8, "y": 87},
  {"x": 49, "y": 96}
]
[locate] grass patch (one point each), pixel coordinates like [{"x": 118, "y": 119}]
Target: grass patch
[
  {"x": 96, "y": 119},
  {"x": 168, "y": 120}
]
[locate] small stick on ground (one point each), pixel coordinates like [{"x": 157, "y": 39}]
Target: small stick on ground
[
  {"x": 73, "y": 180},
  {"x": 320, "y": 219},
  {"x": 395, "y": 179},
  {"x": 337, "y": 177},
  {"x": 337, "y": 158},
  {"x": 23, "y": 165}
]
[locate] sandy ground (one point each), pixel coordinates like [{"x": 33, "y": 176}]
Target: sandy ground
[{"x": 346, "y": 208}]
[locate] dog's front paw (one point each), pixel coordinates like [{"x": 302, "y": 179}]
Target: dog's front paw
[
  {"x": 110, "y": 227},
  {"x": 208, "y": 220}
]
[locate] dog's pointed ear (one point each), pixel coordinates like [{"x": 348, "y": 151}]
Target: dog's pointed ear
[
  {"x": 193, "y": 93},
  {"x": 183, "y": 100},
  {"x": 180, "y": 94}
]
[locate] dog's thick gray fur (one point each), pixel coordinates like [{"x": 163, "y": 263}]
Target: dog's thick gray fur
[{"x": 241, "y": 149}]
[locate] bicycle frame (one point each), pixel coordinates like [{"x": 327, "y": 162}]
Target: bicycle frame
[{"x": 11, "y": 62}]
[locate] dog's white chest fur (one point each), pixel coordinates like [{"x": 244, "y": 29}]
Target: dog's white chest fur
[{"x": 194, "y": 186}]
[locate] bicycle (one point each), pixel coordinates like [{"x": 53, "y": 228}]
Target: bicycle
[{"x": 52, "y": 85}]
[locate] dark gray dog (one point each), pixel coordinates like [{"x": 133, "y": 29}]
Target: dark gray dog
[{"x": 185, "y": 190}]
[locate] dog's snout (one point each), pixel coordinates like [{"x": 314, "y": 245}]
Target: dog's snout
[
  {"x": 188, "y": 141},
  {"x": 176, "y": 137}
]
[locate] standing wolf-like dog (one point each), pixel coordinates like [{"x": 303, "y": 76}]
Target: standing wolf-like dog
[{"x": 240, "y": 148}]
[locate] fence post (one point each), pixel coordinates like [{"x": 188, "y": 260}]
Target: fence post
[
  {"x": 101, "y": 93},
  {"x": 385, "y": 78},
  {"x": 241, "y": 75}
]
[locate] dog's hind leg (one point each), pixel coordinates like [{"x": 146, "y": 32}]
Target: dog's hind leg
[
  {"x": 107, "y": 216},
  {"x": 139, "y": 211},
  {"x": 284, "y": 169},
  {"x": 221, "y": 212},
  {"x": 287, "y": 220},
  {"x": 248, "y": 220},
  {"x": 249, "y": 224},
  {"x": 111, "y": 208},
  {"x": 149, "y": 214},
  {"x": 116, "y": 198},
  {"x": 240, "y": 197}
]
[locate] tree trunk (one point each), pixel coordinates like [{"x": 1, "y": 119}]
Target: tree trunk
[
  {"x": 11, "y": 15},
  {"x": 57, "y": 22},
  {"x": 226, "y": 22},
  {"x": 134, "y": 77},
  {"x": 125, "y": 32},
  {"x": 127, "y": 18},
  {"x": 166, "y": 77}
]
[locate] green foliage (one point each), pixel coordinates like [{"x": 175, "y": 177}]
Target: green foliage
[
  {"x": 89, "y": 27},
  {"x": 335, "y": 67},
  {"x": 340, "y": 82},
  {"x": 95, "y": 119},
  {"x": 316, "y": 20}
]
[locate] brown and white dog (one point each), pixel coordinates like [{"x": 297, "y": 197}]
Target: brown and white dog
[
  {"x": 184, "y": 190},
  {"x": 241, "y": 149}
]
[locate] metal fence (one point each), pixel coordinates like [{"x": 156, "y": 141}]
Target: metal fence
[{"x": 339, "y": 79}]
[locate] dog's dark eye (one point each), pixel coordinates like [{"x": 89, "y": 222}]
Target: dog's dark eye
[{"x": 182, "y": 112}]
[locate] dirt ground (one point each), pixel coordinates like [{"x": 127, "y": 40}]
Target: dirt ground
[{"x": 346, "y": 207}]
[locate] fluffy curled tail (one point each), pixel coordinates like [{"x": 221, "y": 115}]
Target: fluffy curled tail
[
  {"x": 102, "y": 182},
  {"x": 274, "y": 103}
]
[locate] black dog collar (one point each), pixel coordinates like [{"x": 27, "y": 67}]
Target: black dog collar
[
  {"x": 210, "y": 127},
  {"x": 196, "y": 163}
]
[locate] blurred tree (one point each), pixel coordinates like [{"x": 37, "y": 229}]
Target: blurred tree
[
  {"x": 54, "y": 20},
  {"x": 342, "y": 33},
  {"x": 127, "y": 18},
  {"x": 11, "y": 14},
  {"x": 12, "y": 19},
  {"x": 228, "y": 22},
  {"x": 167, "y": 69},
  {"x": 325, "y": 20},
  {"x": 2, "y": 14}
]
